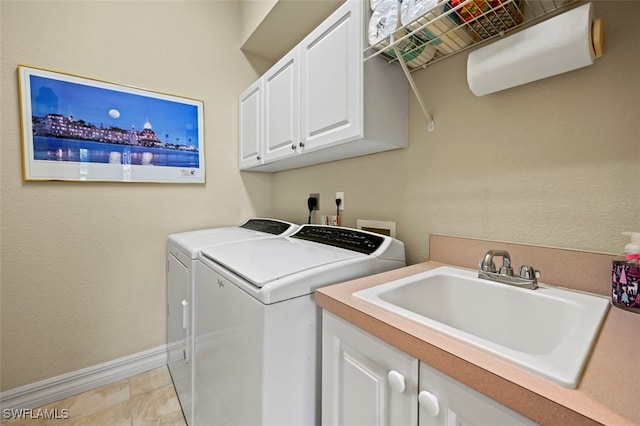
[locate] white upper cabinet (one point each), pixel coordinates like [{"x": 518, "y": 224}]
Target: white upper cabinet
[
  {"x": 281, "y": 108},
  {"x": 322, "y": 103},
  {"x": 250, "y": 126},
  {"x": 331, "y": 89}
]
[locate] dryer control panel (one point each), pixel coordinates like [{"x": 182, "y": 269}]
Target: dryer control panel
[
  {"x": 270, "y": 226},
  {"x": 350, "y": 239}
]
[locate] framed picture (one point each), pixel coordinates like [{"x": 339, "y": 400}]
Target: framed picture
[{"x": 80, "y": 129}]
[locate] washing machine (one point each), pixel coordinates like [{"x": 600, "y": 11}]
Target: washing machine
[
  {"x": 257, "y": 328},
  {"x": 182, "y": 250}
]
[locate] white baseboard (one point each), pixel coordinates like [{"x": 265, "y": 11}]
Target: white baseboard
[{"x": 37, "y": 394}]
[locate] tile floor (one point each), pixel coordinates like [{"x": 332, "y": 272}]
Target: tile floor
[{"x": 145, "y": 399}]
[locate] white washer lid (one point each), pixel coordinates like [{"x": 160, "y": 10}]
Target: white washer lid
[
  {"x": 191, "y": 242},
  {"x": 265, "y": 260}
]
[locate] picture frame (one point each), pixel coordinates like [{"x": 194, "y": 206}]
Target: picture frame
[{"x": 81, "y": 129}]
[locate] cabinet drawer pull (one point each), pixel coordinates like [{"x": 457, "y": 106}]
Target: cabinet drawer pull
[
  {"x": 396, "y": 381},
  {"x": 429, "y": 403}
]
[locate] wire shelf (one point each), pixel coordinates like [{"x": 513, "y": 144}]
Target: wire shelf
[
  {"x": 453, "y": 26},
  {"x": 449, "y": 29}
]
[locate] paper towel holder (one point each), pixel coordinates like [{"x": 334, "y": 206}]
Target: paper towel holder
[
  {"x": 513, "y": 10},
  {"x": 597, "y": 44},
  {"x": 597, "y": 37},
  {"x": 564, "y": 43}
]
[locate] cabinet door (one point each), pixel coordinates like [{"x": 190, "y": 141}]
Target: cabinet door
[
  {"x": 179, "y": 330},
  {"x": 250, "y": 126},
  {"x": 365, "y": 381},
  {"x": 458, "y": 404},
  {"x": 331, "y": 79},
  {"x": 282, "y": 104}
]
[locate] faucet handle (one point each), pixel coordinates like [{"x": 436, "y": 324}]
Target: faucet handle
[
  {"x": 506, "y": 270},
  {"x": 529, "y": 273},
  {"x": 486, "y": 267}
]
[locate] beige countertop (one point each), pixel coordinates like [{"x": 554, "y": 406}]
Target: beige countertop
[{"x": 608, "y": 392}]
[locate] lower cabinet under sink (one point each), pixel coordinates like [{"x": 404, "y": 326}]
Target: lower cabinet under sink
[{"x": 366, "y": 381}]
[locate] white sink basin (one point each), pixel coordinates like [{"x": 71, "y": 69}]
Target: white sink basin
[{"x": 548, "y": 331}]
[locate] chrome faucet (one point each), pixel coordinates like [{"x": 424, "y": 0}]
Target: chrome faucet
[{"x": 527, "y": 276}]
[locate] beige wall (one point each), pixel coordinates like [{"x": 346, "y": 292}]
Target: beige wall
[
  {"x": 83, "y": 277},
  {"x": 271, "y": 28},
  {"x": 252, "y": 13},
  {"x": 556, "y": 162}
]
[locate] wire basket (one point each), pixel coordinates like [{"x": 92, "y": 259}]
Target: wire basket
[{"x": 493, "y": 18}]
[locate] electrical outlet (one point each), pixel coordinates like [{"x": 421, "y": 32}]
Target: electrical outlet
[
  {"x": 317, "y": 197},
  {"x": 331, "y": 220},
  {"x": 340, "y": 196}
]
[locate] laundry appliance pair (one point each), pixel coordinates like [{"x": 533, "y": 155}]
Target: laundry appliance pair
[{"x": 243, "y": 330}]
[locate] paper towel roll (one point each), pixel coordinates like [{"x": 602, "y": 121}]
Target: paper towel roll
[{"x": 555, "y": 46}]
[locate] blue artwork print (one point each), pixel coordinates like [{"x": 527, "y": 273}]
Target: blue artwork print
[{"x": 73, "y": 122}]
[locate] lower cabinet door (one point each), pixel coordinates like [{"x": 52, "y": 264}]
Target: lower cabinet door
[
  {"x": 365, "y": 381},
  {"x": 445, "y": 402}
]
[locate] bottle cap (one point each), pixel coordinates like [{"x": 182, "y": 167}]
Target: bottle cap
[{"x": 634, "y": 246}]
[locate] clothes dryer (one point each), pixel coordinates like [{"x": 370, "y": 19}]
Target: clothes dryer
[
  {"x": 257, "y": 328},
  {"x": 182, "y": 251}
]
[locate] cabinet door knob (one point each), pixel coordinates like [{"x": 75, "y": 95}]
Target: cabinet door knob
[
  {"x": 293, "y": 146},
  {"x": 429, "y": 403},
  {"x": 301, "y": 144},
  {"x": 396, "y": 381},
  {"x": 259, "y": 158}
]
